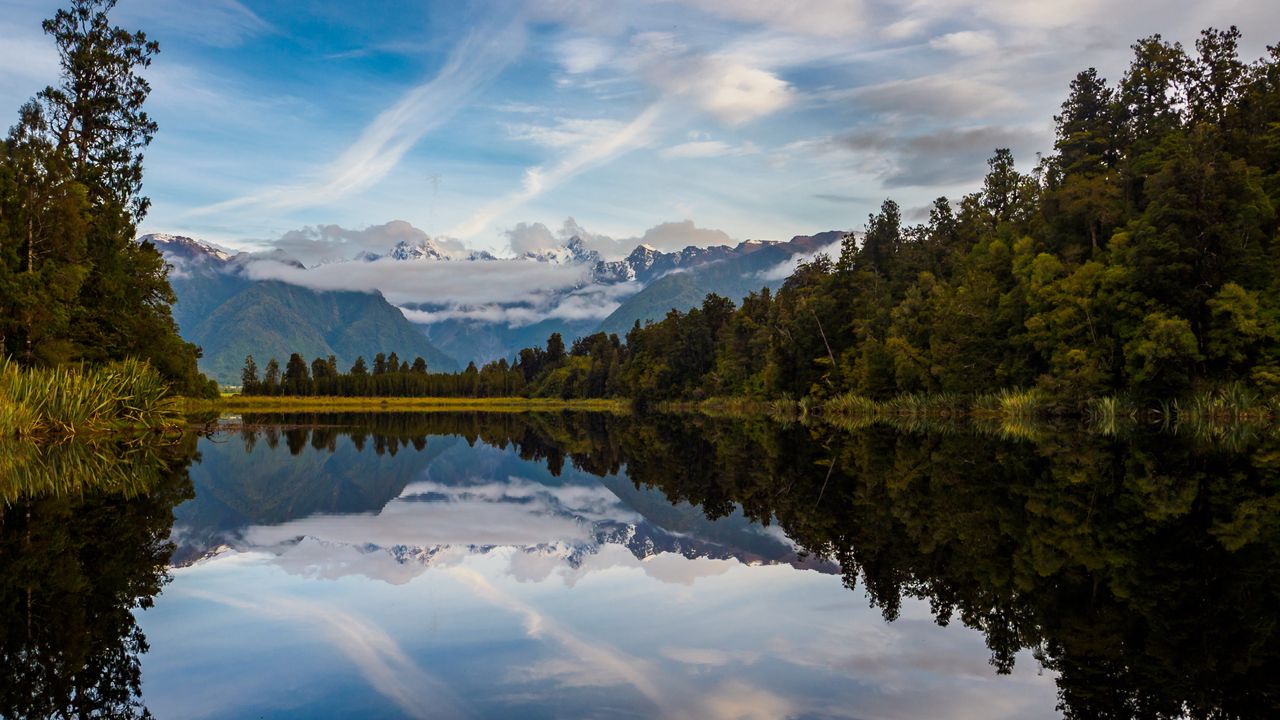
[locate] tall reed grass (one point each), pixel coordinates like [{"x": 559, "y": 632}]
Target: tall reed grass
[{"x": 76, "y": 400}]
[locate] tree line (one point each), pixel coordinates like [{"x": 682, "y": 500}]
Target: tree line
[
  {"x": 74, "y": 285},
  {"x": 1139, "y": 257}
]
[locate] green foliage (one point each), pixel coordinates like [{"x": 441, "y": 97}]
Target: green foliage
[
  {"x": 75, "y": 400},
  {"x": 74, "y": 286}
]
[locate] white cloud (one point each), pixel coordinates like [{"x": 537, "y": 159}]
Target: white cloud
[
  {"x": 220, "y": 23},
  {"x": 537, "y": 180},
  {"x": 435, "y": 283},
  {"x": 822, "y": 18},
  {"x": 965, "y": 42},
  {"x": 328, "y": 243},
  {"x": 698, "y": 149},
  {"x": 732, "y": 92},
  {"x": 583, "y": 55},
  {"x": 531, "y": 237},
  {"x": 566, "y": 132},
  {"x": 784, "y": 269}
]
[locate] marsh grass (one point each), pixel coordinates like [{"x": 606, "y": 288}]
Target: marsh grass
[
  {"x": 1233, "y": 403},
  {"x": 69, "y": 401},
  {"x": 1011, "y": 404},
  {"x": 932, "y": 406}
]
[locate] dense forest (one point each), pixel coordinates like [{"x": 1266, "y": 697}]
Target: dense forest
[
  {"x": 1138, "y": 258},
  {"x": 74, "y": 286}
]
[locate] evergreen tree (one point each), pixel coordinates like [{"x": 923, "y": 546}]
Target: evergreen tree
[
  {"x": 249, "y": 383},
  {"x": 271, "y": 378}
]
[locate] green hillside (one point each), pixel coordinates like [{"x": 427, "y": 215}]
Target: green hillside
[{"x": 273, "y": 319}]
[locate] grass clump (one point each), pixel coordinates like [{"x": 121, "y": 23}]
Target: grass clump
[
  {"x": 75, "y": 400},
  {"x": 1011, "y": 404},
  {"x": 1229, "y": 404}
]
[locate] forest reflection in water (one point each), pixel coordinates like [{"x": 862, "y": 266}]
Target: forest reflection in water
[{"x": 1141, "y": 569}]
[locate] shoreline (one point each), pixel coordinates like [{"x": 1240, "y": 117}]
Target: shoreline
[{"x": 284, "y": 404}]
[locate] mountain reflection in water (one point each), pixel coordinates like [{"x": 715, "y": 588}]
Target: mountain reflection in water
[{"x": 566, "y": 565}]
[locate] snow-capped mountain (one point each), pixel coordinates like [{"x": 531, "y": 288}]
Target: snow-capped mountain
[
  {"x": 573, "y": 252},
  {"x": 181, "y": 249},
  {"x": 428, "y": 249},
  {"x": 604, "y": 295}
]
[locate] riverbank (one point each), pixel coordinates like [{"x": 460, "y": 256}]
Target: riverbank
[{"x": 282, "y": 404}]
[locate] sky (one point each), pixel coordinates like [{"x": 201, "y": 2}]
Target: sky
[{"x": 498, "y": 122}]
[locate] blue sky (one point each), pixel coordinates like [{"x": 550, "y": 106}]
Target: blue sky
[{"x": 759, "y": 119}]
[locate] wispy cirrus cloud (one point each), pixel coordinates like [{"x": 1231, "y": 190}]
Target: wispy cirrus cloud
[
  {"x": 538, "y": 180},
  {"x": 473, "y": 64}
]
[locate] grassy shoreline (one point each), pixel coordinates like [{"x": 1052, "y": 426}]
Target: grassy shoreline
[
  {"x": 258, "y": 403},
  {"x": 121, "y": 398}
]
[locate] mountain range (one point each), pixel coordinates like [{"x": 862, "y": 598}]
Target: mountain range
[
  {"x": 231, "y": 311},
  {"x": 230, "y": 315}
]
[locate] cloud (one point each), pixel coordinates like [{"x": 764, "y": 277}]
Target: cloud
[
  {"x": 531, "y": 237},
  {"x": 440, "y": 284},
  {"x": 944, "y": 97},
  {"x": 566, "y": 132},
  {"x": 966, "y": 42},
  {"x": 220, "y": 23},
  {"x": 538, "y": 180},
  {"x": 594, "y": 302},
  {"x": 838, "y": 198},
  {"x": 667, "y": 237},
  {"x": 821, "y": 18},
  {"x": 679, "y": 235},
  {"x": 328, "y": 243},
  {"x": 732, "y": 92},
  {"x": 784, "y": 269},
  {"x": 583, "y": 55},
  {"x": 945, "y": 157},
  {"x": 472, "y": 65},
  {"x": 698, "y": 149},
  {"x": 377, "y": 655}
]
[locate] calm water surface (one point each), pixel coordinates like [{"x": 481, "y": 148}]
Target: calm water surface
[{"x": 581, "y": 566}]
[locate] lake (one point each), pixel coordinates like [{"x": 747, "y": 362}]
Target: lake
[{"x": 572, "y": 565}]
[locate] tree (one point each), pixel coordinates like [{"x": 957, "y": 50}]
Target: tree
[
  {"x": 296, "y": 379},
  {"x": 249, "y": 383},
  {"x": 555, "y": 349},
  {"x": 883, "y": 239},
  {"x": 75, "y": 158},
  {"x": 271, "y": 378},
  {"x": 359, "y": 369}
]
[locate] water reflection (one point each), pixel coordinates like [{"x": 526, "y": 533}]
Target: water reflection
[
  {"x": 566, "y": 564},
  {"x": 84, "y": 532}
]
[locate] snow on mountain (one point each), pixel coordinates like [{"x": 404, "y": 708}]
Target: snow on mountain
[
  {"x": 573, "y": 252},
  {"x": 185, "y": 248},
  {"x": 424, "y": 249}
]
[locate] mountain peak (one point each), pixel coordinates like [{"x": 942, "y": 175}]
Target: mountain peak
[
  {"x": 424, "y": 249},
  {"x": 184, "y": 247}
]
